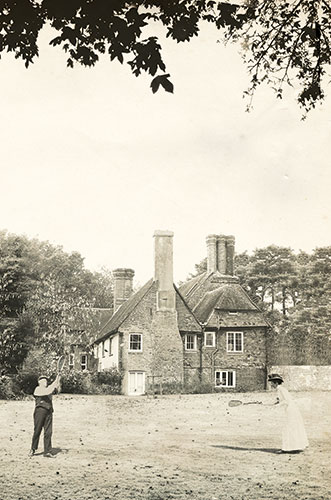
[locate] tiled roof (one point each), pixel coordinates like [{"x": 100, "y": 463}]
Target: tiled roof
[
  {"x": 191, "y": 284},
  {"x": 227, "y": 297},
  {"x": 124, "y": 311},
  {"x": 187, "y": 321},
  {"x": 242, "y": 319}
]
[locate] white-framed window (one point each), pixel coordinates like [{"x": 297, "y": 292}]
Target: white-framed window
[
  {"x": 71, "y": 361},
  {"x": 225, "y": 378},
  {"x": 83, "y": 361},
  {"x": 209, "y": 339},
  {"x": 136, "y": 342},
  {"x": 110, "y": 347},
  {"x": 103, "y": 349},
  {"x": 234, "y": 341},
  {"x": 190, "y": 342},
  {"x": 233, "y": 313}
]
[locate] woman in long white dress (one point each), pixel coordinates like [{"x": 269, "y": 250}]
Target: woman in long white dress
[{"x": 294, "y": 437}]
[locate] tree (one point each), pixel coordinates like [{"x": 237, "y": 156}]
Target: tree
[
  {"x": 282, "y": 42},
  {"x": 42, "y": 290}
]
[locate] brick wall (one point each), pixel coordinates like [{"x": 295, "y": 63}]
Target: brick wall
[
  {"x": 162, "y": 352},
  {"x": 250, "y": 365}
]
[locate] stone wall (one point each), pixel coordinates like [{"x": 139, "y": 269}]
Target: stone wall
[
  {"x": 162, "y": 353},
  {"x": 304, "y": 377},
  {"x": 250, "y": 365}
]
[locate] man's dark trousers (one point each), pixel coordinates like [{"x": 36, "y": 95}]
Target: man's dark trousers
[{"x": 42, "y": 419}]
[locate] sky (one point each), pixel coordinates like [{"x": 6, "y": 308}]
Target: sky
[{"x": 91, "y": 160}]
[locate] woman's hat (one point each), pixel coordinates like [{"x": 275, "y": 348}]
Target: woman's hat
[{"x": 273, "y": 377}]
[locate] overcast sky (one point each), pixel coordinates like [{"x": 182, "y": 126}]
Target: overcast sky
[{"x": 93, "y": 161}]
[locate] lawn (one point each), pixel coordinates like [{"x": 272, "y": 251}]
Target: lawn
[{"x": 171, "y": 447}]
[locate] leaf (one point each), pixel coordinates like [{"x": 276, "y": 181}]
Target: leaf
[{"x": 164, "y": 81}]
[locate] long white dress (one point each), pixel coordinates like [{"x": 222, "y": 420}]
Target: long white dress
[{"x": 294, "y": 437}]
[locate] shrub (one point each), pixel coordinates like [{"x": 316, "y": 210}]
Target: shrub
[
  {"x": 109, "y": 381},
  {"x": 76, "y": 382},
  {"x": 7, "y": 388},
  {"x": 27, "y": 381}
]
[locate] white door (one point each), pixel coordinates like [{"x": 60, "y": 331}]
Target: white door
[{"x": 136, "y": 383}]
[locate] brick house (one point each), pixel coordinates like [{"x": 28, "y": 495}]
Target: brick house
[
  {"x": 206, "y": 332},
  {"x": 232, "y": 352}
]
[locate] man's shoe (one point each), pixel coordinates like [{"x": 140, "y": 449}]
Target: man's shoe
[
  {"x": 31, "y": 453},
  {"x": 48, "y": 455}
]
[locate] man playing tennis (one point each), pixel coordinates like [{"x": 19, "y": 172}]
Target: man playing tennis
[{"x": 43, "y": 414}]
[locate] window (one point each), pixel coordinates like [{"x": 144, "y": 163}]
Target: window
[
  {"x": 233, "y": 313},
  {"x": 234, "y": 342},
  {"x": 136, "y": 342},
  {"x": 110, "y": 347},
  {"x": 190, "y": 342},
  {"x": 225, "y": 378},
  {"x": 210, "y": 339},
  {"x": 103, "y": 349},
  {"x": 71, "y": 361},
  {"x": 83, "y": 362}
]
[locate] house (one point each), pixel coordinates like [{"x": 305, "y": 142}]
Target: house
[
  {"x": 79, "y": 328},
  {"x": 232, "y": 353},
  {"x": 206, "y": 332}
]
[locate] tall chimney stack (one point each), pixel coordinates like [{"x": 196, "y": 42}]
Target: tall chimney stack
[
  {"x": 163, "y": 270},
  {"x": 230, "y": 240},
  {"x": 122, "y": 286},
  {"x": 211, "y": 253},
  {"x": 220, "y": 254}
]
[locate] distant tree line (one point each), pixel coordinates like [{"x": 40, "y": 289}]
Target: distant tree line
[{"x": 42, "y": 289}]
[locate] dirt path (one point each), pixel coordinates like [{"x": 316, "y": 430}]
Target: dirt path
[{"x": 174, "y": 447}]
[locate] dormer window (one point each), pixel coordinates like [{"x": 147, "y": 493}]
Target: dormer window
[{"x": 233, "y": 313}]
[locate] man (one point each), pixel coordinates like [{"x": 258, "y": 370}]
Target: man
[{"x": 43, "y": 414}]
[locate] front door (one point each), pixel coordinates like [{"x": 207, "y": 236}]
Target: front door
[{"x": 136, "y": 383}]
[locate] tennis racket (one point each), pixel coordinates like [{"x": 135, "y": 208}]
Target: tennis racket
[
  {"x": 60, "y": 364},
  {"x": 237, "y": 402}
]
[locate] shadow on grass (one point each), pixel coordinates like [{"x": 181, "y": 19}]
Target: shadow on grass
[
  {"x": 275, "y": 451},
  {"x": 54, "y": 452}
]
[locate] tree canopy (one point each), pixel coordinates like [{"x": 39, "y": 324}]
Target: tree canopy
[
  {"x": 42, "y": 289},
  {"x": 282, "y": 42}
]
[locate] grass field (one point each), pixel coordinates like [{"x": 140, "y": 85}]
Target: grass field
[{"x": 172, "y": 447}]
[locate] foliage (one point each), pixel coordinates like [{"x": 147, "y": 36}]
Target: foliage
[
  {"x": 85, "y": 382},
  {"x": 27, "y": 381},
  {"x": 283, "y": 42},
  {"x": 75, "y": 382},
  {"x": 42, "y": 290},
  {"x": 7, "y": 387},
  {"x": 111, "y": 380},
  {"x": 15, "y": 340}
]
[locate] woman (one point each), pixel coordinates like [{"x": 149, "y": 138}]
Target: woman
[{"x": 294, "y": 436}]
